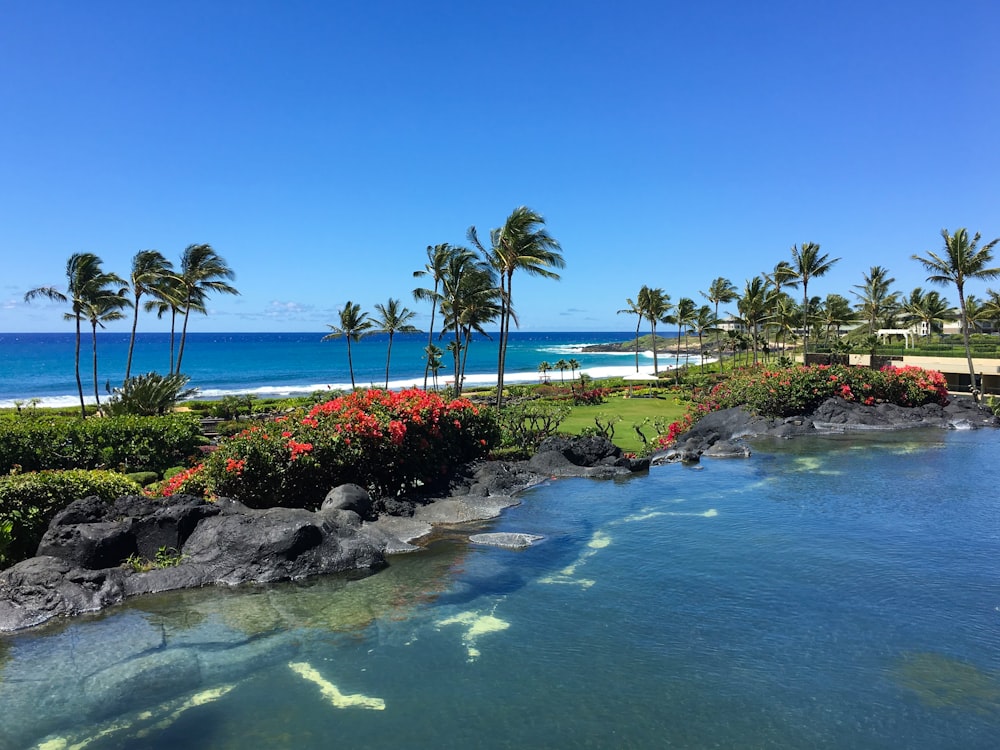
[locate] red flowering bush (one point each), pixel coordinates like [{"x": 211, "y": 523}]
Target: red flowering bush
[
  {"x": 798, "y": 390},
  {"x": 383, "y": 440}
]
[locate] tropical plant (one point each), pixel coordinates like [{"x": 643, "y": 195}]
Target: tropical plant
[
  {"x": 875, "y": 301},
  {"x": 562, "y": 366},
  {"x": 353, "y": 325},
  {"x": 543, "y": 369},
  {"x": 634, "y": 309},
  {"x": 86, "y": 282},
  {"x": 929, "y": 308},
  {"x": 203, "y": 271},
  {"x": 393, "y": 319},
  {"x": 835, "y": 313},
  {"x": 656, "y": 307},
  {"x": 475, "y": 303},
  {"x": 704, "y": 322},
  {"x": 684, "y": 315},
  {"x": 434, "y": 364},
  {"x": 149, "y": 270},
  {"x": 521, "y": 244},
  {"x": 104, "y": 306},
  {"x": 439, "y": 259},
  {"x": 807, "y": 264},
  {"x": 961, "y": 260},
  {"x": 720, "y": 291},
  {"x": 753, "y": 307},
  {"x": 167, "y": 296},
  {"x": 151, "y": 394}
]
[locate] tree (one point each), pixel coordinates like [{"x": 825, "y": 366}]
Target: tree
[
  {"x": 104, "y": 306},
  {"x": 168, "y": 297},
  {"x": 634, "y": 309},
  {"x": 543, "y": 368},
  {"x": 573, "y": 367},
  {"x": 720, "y": 291},
  {"x": 438, "y": 260},
  {"x": 149, "y": 269},
  {"x": 521, "y": 244},
  {"x": 433, "y": 362},
  {"x": 655, "y": 306},
  {"x": 454, "y": 286},
  {"x": 85, "y": 281},
  {"x": 704, "y": 321},
  {"x": 875, "y": 301},
  {"x": 353, "y": 325},
  {"x": 684, "y": 315},
  {"x": 475, "y": 304},
  {"x": 202, "y": 271},
  {"x": 960, "y": 261},
  {"x": 835, "y": 313},
  {"x": 929, "y": 308},
  {"x": 393, "y": 319},
  {"x": 807, "y": 263},
  {"x": 562, "y": 365},
  {"x": 753, "y": 307}
]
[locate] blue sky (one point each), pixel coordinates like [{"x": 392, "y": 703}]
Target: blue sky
[{"x": 319, "y": 147}]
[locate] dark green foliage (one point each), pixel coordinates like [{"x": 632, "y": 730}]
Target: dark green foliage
[
  {"x": 29, "y": 501},
  {"x": 143, "y": 478},
  {"x": 527, "y": 424},
  {"x": 128, "y": 443},
  {"x": 149, "y": 395}
]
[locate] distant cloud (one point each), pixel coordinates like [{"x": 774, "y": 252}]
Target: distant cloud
[
  {"x": 9, "y": 304},
  {"x": 573, "y": 311},
  {"x": 278, "y": 309}
]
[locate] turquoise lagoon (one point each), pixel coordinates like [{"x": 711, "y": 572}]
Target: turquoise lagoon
[{"x": 827, "y": 593}]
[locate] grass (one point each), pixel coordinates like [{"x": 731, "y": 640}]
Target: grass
[{"x": 631, "y": 411}]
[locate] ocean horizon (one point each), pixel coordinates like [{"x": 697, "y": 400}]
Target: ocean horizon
[{"x": 40, "y": 365}]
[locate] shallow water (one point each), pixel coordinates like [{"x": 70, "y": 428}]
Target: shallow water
[{"x": 835, "y": 593}]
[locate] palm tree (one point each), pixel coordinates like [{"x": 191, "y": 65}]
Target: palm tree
[
  {"x": 976, "y": 312},
  {"x": 167, "y": 296},
  {"x": 104, "y": 306},
  {"x": 85, "y": 281},
  {"x": 573, "y": 367},
  {"x": 704, "y": 321},
  {"x": 684, "y": 314},
  {"x": 875, "y": 301},
  {"x": 782, "y": 318},
  {"x": 655, "y": 306},
  {"x": 475, "y": 304},
  {"x": 634, "y": 309},
  {"x": 929, "y": 308},
  {"x": 438, "y": 258},
  {"x": 202, "y": 271},
  {"x": 353, "y": 325},
  {"x": 961, "y": 260},
  {"x": 720, "y": 291},
  {"x": 461, "y": 262},
  {"x": 562, "y": 366},
  {"x": 149, "y": 268},
  {"x": 835, "y": 313},
  {"x": 522, "y": 243},
  {"x": 807, "y": 263},
  {"x": 543, "y": 368},
  {"x": 393, "y": 319},
  {"x": 753, "y": 307},
  {"x": 433, "y": 362}
]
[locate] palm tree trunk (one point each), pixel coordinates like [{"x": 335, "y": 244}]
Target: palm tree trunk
[
  {"x": 656, "y": 365},
  {"x": 131, "y": 341},
  {"x": 465, "y": 354},
  {"x": 388, "y": 353},
  {"x": 173, "y": 326},
  {"x": 184, "y": 329},
  {"x": 677, "y": 360},
  {"x": 805, "y": 321},
  {"x": 350, "y": 362},
  {"x": 505, "y": 305},
  {"x": 430, "y": 333},
  {"x": 76, "y": 360},
  {"x": 637, "y": 324},
  {"x": 97, "y": 398},
  {"x": 968, "y": 346}
]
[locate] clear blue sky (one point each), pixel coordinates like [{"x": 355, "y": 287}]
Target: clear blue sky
[{"x": 319, "y": 147}]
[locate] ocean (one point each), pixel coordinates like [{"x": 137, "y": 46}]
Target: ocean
[{"x": 40, "y": 365}]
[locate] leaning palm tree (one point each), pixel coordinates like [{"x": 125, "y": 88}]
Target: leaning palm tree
[
  {"x": 562, "y": 366},
  {"x": 393, "y": 319},
  {"x": 961, "y": 260},
  {"x": 684, "y": 315},
  {"x": 835, "y": 313},
  {"x": 574, "y": 365},
  {"x": 149, "y": 268},
  {"x": 353, "y": 325},
  {"x": 634, "y": 309},
  {"x": 704, "y": 321},
  {"x": 875, "y": 301},
  {"x": 720, "y": 291},
  {"x": 438, "y": 257},
  {"x": 104, "y": 306},
  {"x": 475, "y": 303},
  {"x": 753, "y": 307},
  {"x": 655, "y": 306},
  {"x": 202, "y": 271},
  {"x": 928, "y": 308},
  {"x": 521, "y": 244},
  {"x": 807, "y": 263},
  {"x": 168, "y": 297},
  {"x": 85, "y": 280},
  {"x": 461, "y": 263}
]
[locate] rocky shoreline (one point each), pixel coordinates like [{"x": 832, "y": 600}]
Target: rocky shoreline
[{"x": 78, "y": 567}]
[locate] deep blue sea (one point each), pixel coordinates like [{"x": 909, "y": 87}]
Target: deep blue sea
[
  {"x": 824, "y": 593},
  {"x": 40, "y": 365}
]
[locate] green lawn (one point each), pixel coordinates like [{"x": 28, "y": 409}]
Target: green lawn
[{"x": 631, "y": 410}]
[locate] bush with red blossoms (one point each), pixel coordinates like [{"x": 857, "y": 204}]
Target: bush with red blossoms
[{"x": 385, "y": 441}]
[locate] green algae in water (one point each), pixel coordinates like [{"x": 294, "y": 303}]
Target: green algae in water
[{"x": 943, "y": 682}]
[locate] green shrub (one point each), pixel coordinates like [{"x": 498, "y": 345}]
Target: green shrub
[
  {"x": 149, "y": 395},
  {"x": 29, "y": 501},
  {"x": 143, "y": 478},
  {"x": 525, "y": 425},
  {"x": 128, "y": 443}
]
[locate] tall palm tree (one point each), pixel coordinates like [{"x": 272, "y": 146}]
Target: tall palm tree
[
  {"x": 434, "y": 362},
  {"x": 85, "y": 281},
  {"x": 807, "y": 264},
  {"x": 875, "y": 301},
  {"x": 753, "y": 307},
  {"x": 720, "y": 291},
  {"x": 574, "y": 365},
  {"x": 655, "y": 306},
  {"x": 562, "y": 365},
  {"x": 634, "y": 309},
  {"x": 835, "y": 313},
  {"x": 521, "y": 244},
  {"x": 704, "y": 321},
  {"x": 393, "y": 319},
  {"x": 149, "y": 268},
  {"x": 461, "y": 262},
  {"x": 543, "y": 369},
  {"x": 168, "y": 297},
  {"x": 684, "y": 315},
  {"x": 475, "y": 304},
  {"x": 353, "y": 325},
  {"x": 438, "y": 258},
  {"x": 104, "y": 306},
  {"x": 202, "y": 271},
  {"x": 961, "y": 260}
]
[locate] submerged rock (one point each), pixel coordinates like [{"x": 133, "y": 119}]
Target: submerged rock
[{"x": 507, "y": 539}]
